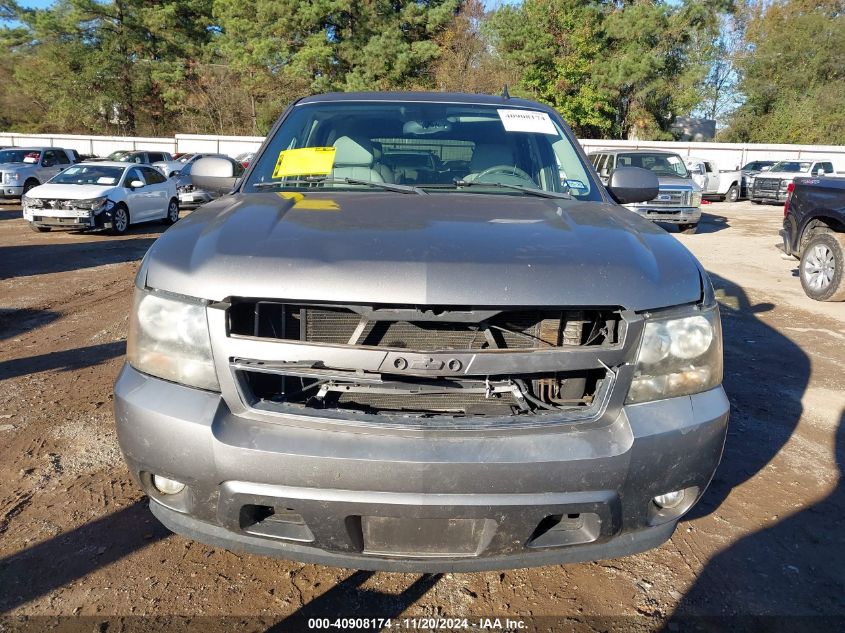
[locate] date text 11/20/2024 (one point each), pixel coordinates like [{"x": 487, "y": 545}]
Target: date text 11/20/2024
[{"x": 418, "y": 624}]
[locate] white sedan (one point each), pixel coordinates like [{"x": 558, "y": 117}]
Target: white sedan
[{"x": 102, "y": 195}]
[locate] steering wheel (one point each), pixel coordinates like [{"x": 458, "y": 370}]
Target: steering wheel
[{"x": 509, "y": 170}]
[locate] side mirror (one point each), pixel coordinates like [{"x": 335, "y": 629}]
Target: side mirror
[
  {"x": 820, "y": 172},
  {"x": 213, "y": 174},
  {"x": 632, "y": 184},
  {"x": 136, "y": 184},
  {"x": 176, "y": 174}
]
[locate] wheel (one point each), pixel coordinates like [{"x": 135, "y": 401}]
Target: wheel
[
  {"x": 733, "y": 194},
  {"x": 756, "y": 202},
  {"x": 822, "y": 267},
  {"x": 39, "y": 229},
  {"x": 172, "y": 212},
  {"x": 29, "y": 184},
  {"x": 687, "y": 229},
  {"x": 120, "y": 220}
]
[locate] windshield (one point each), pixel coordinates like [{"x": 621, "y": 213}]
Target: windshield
[
  {"x": 757, "y": 165},
  {"x": 184, "y": 158},
  {"x": 661, "y": 163},
  {"x": 19, "y": 156},
  {"x": 119, "y": 155},
  {"x": 791, "y": 166},
  {"x": 434, "y": 147},
  {"x": 89, "y": 175}
]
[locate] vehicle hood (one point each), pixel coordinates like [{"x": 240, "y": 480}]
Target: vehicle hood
[
  {"x": 440, "y": 249},
  {"x": 12, "y": 167},
  {"x": 783, "y": 175},
  {"x": 675, "y": 181},
  {"x": 69, "y": 192}
]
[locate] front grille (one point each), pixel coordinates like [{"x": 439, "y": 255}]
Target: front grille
[
  {"x": 424, "y": 361},
  {"x": 766, "y": 185},
  {"x": 671, "y": 198},
  {"x": 520, "y": 329}
]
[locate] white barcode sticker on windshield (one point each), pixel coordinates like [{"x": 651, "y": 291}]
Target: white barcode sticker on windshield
[{"x": 527, "y": 121}]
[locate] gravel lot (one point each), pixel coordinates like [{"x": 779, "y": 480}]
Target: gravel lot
[{"x": 76, "y": 537}]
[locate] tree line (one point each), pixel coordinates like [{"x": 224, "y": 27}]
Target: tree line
[{"x": 767, "y": 70}]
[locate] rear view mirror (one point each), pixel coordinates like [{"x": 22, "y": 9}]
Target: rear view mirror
[
  {"x": 632, "y": 184},
  {"x": 136, "y": 184},
  {"x": 213, "y": 174}
]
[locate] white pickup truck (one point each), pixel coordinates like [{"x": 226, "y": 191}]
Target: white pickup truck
[
  {"x": 715, "y": 184},
  {"x": 773, "y": 186}
]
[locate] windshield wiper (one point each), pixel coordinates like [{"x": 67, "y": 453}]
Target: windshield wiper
[
  {"x": 347, "y": 181},
  {"x": 542, "y": 193}
]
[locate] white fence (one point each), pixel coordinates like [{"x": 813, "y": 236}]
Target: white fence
[
  {"x": 726, "y": 155},
  {"x": 105, "y": 145}
]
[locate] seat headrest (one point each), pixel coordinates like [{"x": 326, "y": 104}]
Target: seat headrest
[
  {"x": 356, "y": 152},
  {"x": 486, "y": 155}
]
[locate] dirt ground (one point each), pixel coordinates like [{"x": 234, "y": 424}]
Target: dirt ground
[{"x": 76, "y": 537}]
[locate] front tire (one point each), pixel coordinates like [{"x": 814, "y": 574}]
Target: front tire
[
  {"x": 822, "y": 268},
  {"x": 172, "y": 212},
  {"x": 29, "y": 184},
  {"x": 39, "y": 229},
  {"x": 688, "y": 229},
  {"x": 733, "y": 194},
  {"x": 120, "y": 220}
]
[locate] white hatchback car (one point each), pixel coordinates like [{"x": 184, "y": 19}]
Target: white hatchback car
[{"x": 102, "y": 195}]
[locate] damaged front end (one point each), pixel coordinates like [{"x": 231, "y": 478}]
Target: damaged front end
[
  {"x": 426, "y": 364},
  {"x": 72, "y": 214}
]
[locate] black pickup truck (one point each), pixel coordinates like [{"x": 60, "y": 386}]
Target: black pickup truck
[{"x": 814, "y": 231}]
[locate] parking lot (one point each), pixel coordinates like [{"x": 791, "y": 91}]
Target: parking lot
[{"x": 76, "y": 537}]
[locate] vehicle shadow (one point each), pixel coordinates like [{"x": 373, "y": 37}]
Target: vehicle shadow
[
  {"x": 712, "y": 223},
  {"x": 787, "y": 577},
  {"x": 347, "y": 599},
  {"x": 67, "y": 360},
  {"x": 40, "y": 259},
  {"x": 760, "y": 425},
  {"x": 709, "y": 223},
  {"x": 14, "y": 321},
  {"x": 62, "y": 559}
]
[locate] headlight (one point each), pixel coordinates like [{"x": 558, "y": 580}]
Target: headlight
[
  {"x": 168, "y": 338},
  {"x": 11, "y": 177},
  {"x": 678, "y": 357},
  {"x": 695, "y": 199},
  {"x": 94, "y": 204},
  {"x": 31, "y": 203},
  {"x": 785, "y": 183}
]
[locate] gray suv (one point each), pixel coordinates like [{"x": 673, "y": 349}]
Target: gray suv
[
  {"x": 679, "y": 199},
  {"x": 418, "y": 334}
]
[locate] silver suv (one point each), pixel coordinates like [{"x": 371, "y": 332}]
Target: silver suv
[
  {"x": 679, "y": 199},
  {"x": 418, "y": 334}
]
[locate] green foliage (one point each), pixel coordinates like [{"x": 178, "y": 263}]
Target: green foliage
[
  {"x": 792, "y": 74},
  {"x": 611, "y": 69}
]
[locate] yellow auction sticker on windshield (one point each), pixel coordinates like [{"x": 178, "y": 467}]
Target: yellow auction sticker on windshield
[{"x": 308, "y": 161}]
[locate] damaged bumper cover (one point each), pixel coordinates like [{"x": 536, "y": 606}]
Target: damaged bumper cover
[
  {"x": 417, "y": 501},
  {"x": 70, "y": 217},
  {"x": 507, "y": 457}
]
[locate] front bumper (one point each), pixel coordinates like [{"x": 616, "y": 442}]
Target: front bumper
[
  {"x": 194, "y": 199},
  {"x": 769, "y": 196},
  {"x": 436, "y": 501},
  {"x": 68, "y": 219},
  {"x": 10, "y": 191},
  {"x": 682, "y": 215}
]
